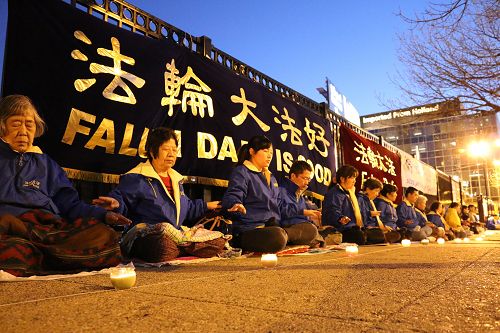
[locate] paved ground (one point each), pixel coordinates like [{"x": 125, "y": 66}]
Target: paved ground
[{"x": 448, "y": 288}]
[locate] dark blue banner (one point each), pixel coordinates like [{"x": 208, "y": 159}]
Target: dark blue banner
[{"x": 101, "y": 88}]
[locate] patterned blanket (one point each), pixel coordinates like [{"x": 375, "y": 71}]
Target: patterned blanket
[{"x": 39, "y": 242}]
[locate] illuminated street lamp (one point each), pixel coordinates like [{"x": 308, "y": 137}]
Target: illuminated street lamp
[{"x": 481, "y": 149}]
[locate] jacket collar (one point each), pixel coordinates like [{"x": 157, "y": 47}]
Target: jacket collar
[
  {"x": 407, "y": 203},
  {"x": 32, "y": 149},
  {"x": 386, "y": 200},
  {"x": 147, "y": 170},
  {"x": 291, "y": 187},
  {"x": 267, "y": 174}
]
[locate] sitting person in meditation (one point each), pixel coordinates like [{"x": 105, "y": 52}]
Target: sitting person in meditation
[
  {"x": 152, "y": 196},
  {"x": 44, "y": 226}
]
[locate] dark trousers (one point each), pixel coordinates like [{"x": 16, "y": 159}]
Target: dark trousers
[
  {"x": 264, "y": 240},
  {"x": 301, "y": 233},
  {"x": 353, "y": 235},
  {"x": 374, "y": 236}
]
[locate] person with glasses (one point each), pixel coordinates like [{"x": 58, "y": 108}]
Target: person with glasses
[
  {"x": 152, "y": 196},
  {"x": 295, "y": 217}
]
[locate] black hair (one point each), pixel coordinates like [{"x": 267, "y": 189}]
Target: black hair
[
  {"x": 454, "y": 205},
  {"x": 410, "y": 190},
  {"x": 372, "y": 184},
  {"x": 435, "y": 205},
  {"x": 388, "y": 188},
  {"x": 156, "y": 138},
  {"x": 257, "y": 143},
  {"x": 299, "y": 167},
  {"x": 345, "y": 171}
]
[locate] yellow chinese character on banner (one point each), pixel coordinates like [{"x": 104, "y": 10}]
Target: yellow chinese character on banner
[
  {"x": 295, "y": 133},
  {"x": 380, "y": 163},
  {"x": 361, "y": 150},
  {"x": 116, "y": 70},
  {"x": 373, "y": 158},
  {"x": 391, "y": 166},
  {"x": 192, "y": 95},
  {"x": 315, "y": 136},
  {"x": 245, "y": 111}
]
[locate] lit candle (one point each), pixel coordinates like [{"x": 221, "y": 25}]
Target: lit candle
[
  {"x": 269, "y": 260},
  {"x": 424, "y": 241},
  {"x": 351, "y": 250},
  {"x": 466, "y": 240},
  {"x": 122, "y": 277},
  {"x": 479, "y": 239},
  {"x": 458, "y": 240},
  {"x": 440, "y": 241},
  {"x": 406, "y": 242}
]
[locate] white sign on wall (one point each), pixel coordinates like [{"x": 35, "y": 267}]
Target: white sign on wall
[{"x": 418, "y": 174}]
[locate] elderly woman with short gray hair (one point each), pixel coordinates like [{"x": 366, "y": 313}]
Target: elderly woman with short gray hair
[{"x": 44, "y": 226}]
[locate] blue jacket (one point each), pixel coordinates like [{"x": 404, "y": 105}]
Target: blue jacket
[
  {"x": 291, "y": 204},
  {"x": 144, "y": 198},
  {"x": 421, "y": 218},
  {"x": 249, "y": 187},
  {"x": 365, "y": 207},
  {"x": 388, "y": 213},
  {"x": 435, "y": 218},
  {"x": 336, "y": 204},
  {"x": 406, "y": 211},
  {"x": 32, "y": 180}
]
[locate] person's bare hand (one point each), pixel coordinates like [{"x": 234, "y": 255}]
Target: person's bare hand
[
  {"x": 238, "y": 208},
  {"x": 344, "y": 220},
  {"x": 107, "y": 203},
  {"x": 113, "y": 218},
  {"x": 312, "y": 213},
  {"x": 213, "y": 205}
]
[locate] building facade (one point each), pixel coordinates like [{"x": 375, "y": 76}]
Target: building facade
[{"x": 443, "y": 137}]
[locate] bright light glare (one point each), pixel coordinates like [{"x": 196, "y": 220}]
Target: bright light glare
[{"x": 479, "y": 149}]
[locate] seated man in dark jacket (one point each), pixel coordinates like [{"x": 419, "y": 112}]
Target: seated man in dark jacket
[{"x": 295, "y": 217}]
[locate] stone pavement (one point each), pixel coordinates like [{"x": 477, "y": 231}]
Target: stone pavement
[{"x": 434, "y": 288}]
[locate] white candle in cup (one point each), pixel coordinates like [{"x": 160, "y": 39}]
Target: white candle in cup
[
  {"x": 424, "y": 241},
  {"x": 440, "y": 241},
  {"x": 269, "y": 260},
  {"x": 351, "y": 250},
  {"x": 122, "y": 277},
  {"x": 479, "y": 239},
  {"x": 406, "y": 242},
  {"x": 466, "y": 240},
  {"x": 458, "y": 240}
]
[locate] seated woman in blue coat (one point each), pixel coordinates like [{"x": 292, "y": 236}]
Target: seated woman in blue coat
[
  {"x": 152, "y": 196},
  {"x": 388, "y": 215},
  {"x": 295, "y": 217},
  {"x": 375, "y": 230},
  {"x": 252, "y": 197},
  {"x": 341, "y": 208},
  {"x": 44, "y": 226},
  {"x": 435, "y": 216}
]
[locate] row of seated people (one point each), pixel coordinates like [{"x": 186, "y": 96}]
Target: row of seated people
[
  {"x": 371, "y": 216},
  {"x": 44, "y": 226}
]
